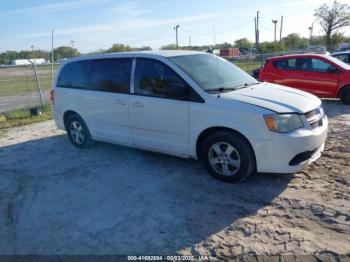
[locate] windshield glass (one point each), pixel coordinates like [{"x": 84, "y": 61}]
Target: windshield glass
[
  {"x": 339, "y": 62},
  {"x": 211, "y": 72}
]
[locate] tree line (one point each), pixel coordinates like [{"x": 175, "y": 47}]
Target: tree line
[{"x": 61, "y": 53}]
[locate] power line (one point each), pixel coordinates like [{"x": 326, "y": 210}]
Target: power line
[
  {"x": 217, "y": 32},
  {"x": 266, "y": 27},
  {"x": 148, "y": 37}
]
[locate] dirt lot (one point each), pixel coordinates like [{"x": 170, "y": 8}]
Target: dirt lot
[{"x": 56, "y": 199}]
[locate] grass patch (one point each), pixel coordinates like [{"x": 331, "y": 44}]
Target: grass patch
[
  {"x": 23, "y": 117},
  {"x": 19, "y": 85},
  {"x": 247, "y": 66},
  {"x": 17, "y": 80}
]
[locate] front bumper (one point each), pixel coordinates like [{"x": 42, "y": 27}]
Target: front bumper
[{"x": 289, "y": 153}]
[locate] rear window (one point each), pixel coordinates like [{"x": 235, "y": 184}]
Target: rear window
[
  {"x": 75, "y": 75},
  {"x": 111, "y": 75}
]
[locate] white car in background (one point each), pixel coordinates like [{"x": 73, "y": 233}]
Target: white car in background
[{"x": 192, "y": 105}]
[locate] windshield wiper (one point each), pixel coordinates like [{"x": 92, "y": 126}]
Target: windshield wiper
[
  {"x": 247, "y": 84},
  {"x": 221, "y": 89}
]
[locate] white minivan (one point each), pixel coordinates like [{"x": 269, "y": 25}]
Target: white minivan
[{"x": 192, "y": 105}]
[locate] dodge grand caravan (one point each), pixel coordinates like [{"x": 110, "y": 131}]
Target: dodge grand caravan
[{"x": 192, "y": 105}]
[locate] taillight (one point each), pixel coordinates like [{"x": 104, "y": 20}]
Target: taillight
[{"x": 52, "y": 96}]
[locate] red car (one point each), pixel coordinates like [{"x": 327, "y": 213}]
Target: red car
[{"x": 321, "y": 75}]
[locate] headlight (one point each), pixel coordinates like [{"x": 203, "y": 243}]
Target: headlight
[
  {"x": 321, "y": 111},
  {"x": 283, "y": 123}
]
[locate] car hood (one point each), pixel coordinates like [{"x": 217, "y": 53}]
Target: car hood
[{"x": 280, "y": 99}]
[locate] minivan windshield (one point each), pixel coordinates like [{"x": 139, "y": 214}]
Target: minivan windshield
[
  {"x": 339, "y": 62},
  {"x": 213, "y": 73}
]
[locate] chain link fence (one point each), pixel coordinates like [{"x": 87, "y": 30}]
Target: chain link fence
[{"x": 19, "y": 86}]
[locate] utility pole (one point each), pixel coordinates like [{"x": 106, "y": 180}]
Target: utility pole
[
  {"x": 189, "y": 41},
  {"x": 52, "y": 59},
  {"x": 311, "y": 28},
  {"x": 72, "y": 43},
  {"x": 32, "y": 47},
  {"x": 281, "y": 28},
  {"x": 275, "y": 24},
  {"x": 257, "y": 31},
  {"x": 177, "y": 40},
  {"x": 214, "y": 36},
  {"x": 256, "y": 35}
]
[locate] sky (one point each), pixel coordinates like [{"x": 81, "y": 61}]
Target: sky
[{"x": 97, "y": 24}]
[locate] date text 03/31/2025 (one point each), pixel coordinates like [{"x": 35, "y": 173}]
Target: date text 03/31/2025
[{"x": 168, "y": 258}]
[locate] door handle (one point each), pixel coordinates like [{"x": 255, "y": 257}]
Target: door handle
[
  {"x": 120, "y": 102},
  {"x": 139, "y": 104}
]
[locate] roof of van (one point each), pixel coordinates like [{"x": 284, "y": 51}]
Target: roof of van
[{"x": 161, "y": 53}]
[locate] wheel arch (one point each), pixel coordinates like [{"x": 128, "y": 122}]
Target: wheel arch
[
  {"x": 342, "y": 89},
  {"x": 66, "y": 115},
  {"x": 211, "y": 130}
]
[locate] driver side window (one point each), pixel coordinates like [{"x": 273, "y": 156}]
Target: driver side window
[
  {"x": 320, "y": 66},
  {"x": 151, "y": 77}
]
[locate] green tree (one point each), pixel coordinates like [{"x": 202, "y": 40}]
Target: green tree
[
  {"x": 223, "y": 46},
  {"x": 169, "y": 47},
  {"x": 243, "y": 43},
  {"x": 65, "y": 52},
  {"x": 119, "y": 48},
  {"x": 271, "y": 47},
  {"x": 332, "y": 18},
  {"x": 338, "y": 38},
  {"x": 8, "y": 56},
  {"x": 144, "y": 48},
  {"x": 295, "y": 41}
]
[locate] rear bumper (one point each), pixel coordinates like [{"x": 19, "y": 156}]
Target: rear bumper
[
  {"x": 58, "y": 117},
  {"x": 290, "y": 153}
]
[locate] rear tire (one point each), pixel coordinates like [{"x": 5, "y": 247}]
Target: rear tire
[
  {"x": 78, "y": 132},
  {"x": 345, "y": 95},
  {"x": 228, "y": 156}
]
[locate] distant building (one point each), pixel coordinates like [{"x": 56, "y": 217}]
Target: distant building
[
  {"x": 229, "y": 52},
  {"x": 38, "y": 61},
  {"x": 61, "y": 60}
]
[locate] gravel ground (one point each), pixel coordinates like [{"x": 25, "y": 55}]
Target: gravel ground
[{"x": 56, "y": 199}]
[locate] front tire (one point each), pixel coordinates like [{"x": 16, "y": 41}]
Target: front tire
[
  {"x": 228, "y": 156},
  {"x": 345, "y": 96},
  {"x": 77, "y": 131}
]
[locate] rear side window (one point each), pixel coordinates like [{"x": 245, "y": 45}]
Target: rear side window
[
  {"x": 320, "y": 66},
  {"x": 111, "y": 75},
  {"x": 344, "y": 57},
  {"x": 285, "y": 64},
  {"x": 303, "y": 64},
  {"x": 75, "y": 75}
]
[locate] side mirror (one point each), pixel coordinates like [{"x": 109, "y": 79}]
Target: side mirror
[
  {"x": 176, "y": 91},
  {"x": 332, "y": 70}
]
